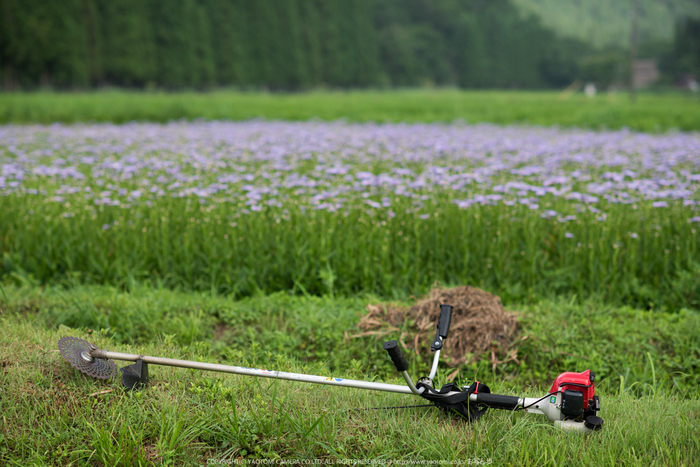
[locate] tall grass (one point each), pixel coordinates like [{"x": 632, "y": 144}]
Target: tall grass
[
  {"x": 651, "y": 112},
  {"x": 639, "y": 255}
]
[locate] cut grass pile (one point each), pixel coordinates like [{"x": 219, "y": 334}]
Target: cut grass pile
[
  {"x": 651, "y": 112},
  {"x": 54, "y": 415},
  {"x": 478, "y": 323}
]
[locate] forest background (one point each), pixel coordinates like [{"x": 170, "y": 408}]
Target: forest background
[{"x": 304, "y": 44}]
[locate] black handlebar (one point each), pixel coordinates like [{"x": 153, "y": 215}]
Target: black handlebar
[
  {"x": 443, "y": 327},
  {"x": 392, "y": 347},
  {"x": 497, "y": 401},
  {"x": 445, "y": 318}
]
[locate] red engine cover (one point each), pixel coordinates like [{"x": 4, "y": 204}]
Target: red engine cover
[{"x": 576, "y": 382}]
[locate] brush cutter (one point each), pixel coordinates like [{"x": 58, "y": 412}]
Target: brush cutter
[{"x": 571, "y": 402}]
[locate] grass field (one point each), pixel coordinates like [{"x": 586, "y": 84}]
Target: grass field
[
  {"x": 260, "y": 243},
  {"x": 651, "y": 112},
  {"x": 647, "y": 365},
  {"x": 648, "y": 348}
]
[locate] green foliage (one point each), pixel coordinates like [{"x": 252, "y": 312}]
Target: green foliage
[
  {"x": 53, "y": 415},
  {"x": 278, "y": 44},
  {"x": 605, "y": 68},
  {"x": 45, "y": 44},
  {"x": 120, "y": 444},
  {"x": 606, "y": 23},
  {"x": 126, "y": 48},
  {"x": 472, "y": 44},
  {"x": 299, "y": 44},
  {"x": 685, "y": 57},
  {"x": 651, "y": 112},
  {"x": 175, "y": 50},
  {"x": 644, "y": 351},
  {"x": 636, "y": 256},
  {"x": 226, "y": 27}
]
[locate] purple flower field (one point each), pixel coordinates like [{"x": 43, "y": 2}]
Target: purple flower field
[
  {"x": 332, "y": 166},
  {"x": 400, "y": 205}
]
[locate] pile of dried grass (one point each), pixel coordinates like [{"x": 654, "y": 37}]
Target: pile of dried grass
[{"x": 479, "y": 323}]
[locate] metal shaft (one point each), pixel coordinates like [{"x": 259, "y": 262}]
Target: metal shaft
[
  {"x": 411, "y": 386},
  {"x": 238, "y": 370}
]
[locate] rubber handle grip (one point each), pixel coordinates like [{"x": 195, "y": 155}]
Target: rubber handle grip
[
  {"x": 392, "y": 347},
  {"x": 497, "y": 401},
  {"x": 444, "y": 322}
]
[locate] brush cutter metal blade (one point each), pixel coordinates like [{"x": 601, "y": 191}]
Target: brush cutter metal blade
[{"x": 77, "y": 352}]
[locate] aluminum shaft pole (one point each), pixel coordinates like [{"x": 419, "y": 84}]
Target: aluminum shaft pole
[{"x": 238, "y": 370}]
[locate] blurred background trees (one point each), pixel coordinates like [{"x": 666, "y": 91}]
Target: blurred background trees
[
  {"x": 302, "y": 44},
  {"x": 684, "y": 58}
]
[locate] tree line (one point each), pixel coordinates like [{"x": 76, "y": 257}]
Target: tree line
[
  {"x": 279, "y": 44},
  {"x": 684, "y": 56}
]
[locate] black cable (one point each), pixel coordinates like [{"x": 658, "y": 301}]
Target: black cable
[
  {"x": 579, "y": 385},
  {"x": 397, "y": 407},
  {"x": 538, "y": 400},
  {"x": 556, "y": 392}
]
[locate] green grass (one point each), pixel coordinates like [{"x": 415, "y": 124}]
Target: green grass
[
  {"x": 636, "y": 348},
  {"x": 651, "y": 112},
  {"x": 52, "y": 414},
  {"x": 182, "y": 244},
  {"x": 640, "y": 256},
  {"x": 193, "y": 281}
]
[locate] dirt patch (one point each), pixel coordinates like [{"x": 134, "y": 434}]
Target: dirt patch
[{"x": 479, "y": 324}]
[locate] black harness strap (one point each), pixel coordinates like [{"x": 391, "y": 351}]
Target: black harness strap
[{"x": 457, "y": 402}]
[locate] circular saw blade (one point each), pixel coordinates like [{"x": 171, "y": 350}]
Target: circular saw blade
[{"x": 77, "y": 352}]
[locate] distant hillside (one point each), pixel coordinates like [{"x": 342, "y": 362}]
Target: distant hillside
[{"x": 608, "y": 22}]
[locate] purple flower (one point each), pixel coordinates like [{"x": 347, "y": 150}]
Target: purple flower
[
  {"x": 569, "y": 235},
  {"x": 334, "y": 165},
  {"x": 463, "y": 204}
]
